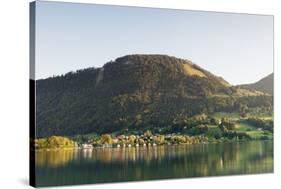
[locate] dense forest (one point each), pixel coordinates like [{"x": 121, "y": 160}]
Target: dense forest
[{"x": 137, "y": 92}]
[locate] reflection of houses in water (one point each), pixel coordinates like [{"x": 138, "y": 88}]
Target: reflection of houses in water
[
  {"x": 87, "y": 153},
  {"x": 150, "y": 153},
  {"x": 107, "y": 145}
]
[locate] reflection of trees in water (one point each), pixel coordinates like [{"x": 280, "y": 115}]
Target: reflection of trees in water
[
  {"x": 181, "y": 160},
  {"x": 55, "y": 158}
]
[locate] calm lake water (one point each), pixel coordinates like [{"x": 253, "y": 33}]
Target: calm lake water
[{"x": 69, "y": 167}]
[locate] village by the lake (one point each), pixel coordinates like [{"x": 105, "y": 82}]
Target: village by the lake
[{"x": 217, "y": 129}]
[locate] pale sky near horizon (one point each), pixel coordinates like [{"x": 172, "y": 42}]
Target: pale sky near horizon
[{"x": 72, "y": 36}]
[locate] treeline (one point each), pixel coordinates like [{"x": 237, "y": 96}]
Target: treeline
[
  {"x": 261, "y": 123},
  {"x": 54, "y": 142}
]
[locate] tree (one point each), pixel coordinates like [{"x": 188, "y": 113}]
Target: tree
[
  {"x": 230, "y": 125},
  {"x": 148, "y": 133},
  {"x": 106, "y": 139},
  {"x": 54, "y": 142},
  {"x": 141, "y": 141},
  {"x": 132, "y": 139},
  {"x": 159, "y": 139}
]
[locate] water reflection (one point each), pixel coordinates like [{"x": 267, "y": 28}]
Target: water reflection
[
  {"x": 127, "y": 164},
  {"x": 55, "y": 158}
]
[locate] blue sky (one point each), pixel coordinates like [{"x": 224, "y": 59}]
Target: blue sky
[{"x": 71, "y": 36}]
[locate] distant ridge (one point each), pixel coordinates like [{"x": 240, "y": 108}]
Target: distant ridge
[{"x": 265, "y": 85}]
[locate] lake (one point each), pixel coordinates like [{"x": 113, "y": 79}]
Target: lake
[{"x": 101, "y": 165}]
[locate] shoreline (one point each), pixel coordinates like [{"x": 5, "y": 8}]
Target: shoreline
[{"x": 143, "y": 147}]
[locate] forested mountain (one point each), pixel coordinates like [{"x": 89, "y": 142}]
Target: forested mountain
[
  {"x": 135, "y": 92},
  {"x": 264, "y": 85}
]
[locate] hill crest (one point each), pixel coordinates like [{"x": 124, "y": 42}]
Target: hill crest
[
  {"x": 132, "y": 91},
  {"x": 265, "y": 85}
]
